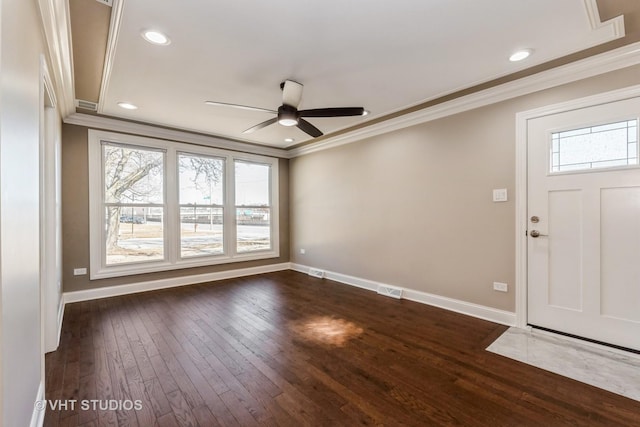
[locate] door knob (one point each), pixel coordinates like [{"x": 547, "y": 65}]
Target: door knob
[{"x": 536, "y": 234}]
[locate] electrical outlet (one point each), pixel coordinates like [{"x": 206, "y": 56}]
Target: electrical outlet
[
  {"x": 79, "y": 271},
  {"x": 500, "y": 287},
  {"x": 303, "y": 251}
]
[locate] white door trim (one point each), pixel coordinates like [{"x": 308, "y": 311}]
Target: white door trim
[
  {"x": 522, "y": 119},
  {"x": 50, "y": 233}
]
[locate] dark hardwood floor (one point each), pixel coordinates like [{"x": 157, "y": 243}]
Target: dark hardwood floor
[{"x": 290, "y": 350}]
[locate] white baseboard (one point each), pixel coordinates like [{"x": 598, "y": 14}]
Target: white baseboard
[
  {"x": 37, "y": 417},
  {"x": 475, "y": 310},
  {"x": 470, "y": 309},
  {"x": 491, "y": 314},
  {"x": 112, "y": 291}
]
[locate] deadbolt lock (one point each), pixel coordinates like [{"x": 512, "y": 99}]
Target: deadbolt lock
[{"x": 535, "y": 219}]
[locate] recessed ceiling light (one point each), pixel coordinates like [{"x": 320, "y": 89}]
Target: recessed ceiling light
[
  {"x": 366, "y": 112},
  {"x": 155, "y": 37},
  {"x": 289, "y": 140},
  {"x": 520, "y": 55},
  {"x": 127, "y": 106}
]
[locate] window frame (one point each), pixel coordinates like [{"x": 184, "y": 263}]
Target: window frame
[{"x": 172, "y": 236}]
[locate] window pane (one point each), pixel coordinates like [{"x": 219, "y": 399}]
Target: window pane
[
  {"x": 134, "y": 234},
  {"x": 253, "y": 229},
  {"x": 252, "y": 184},
  {"x": 201, "y": 180},
  {"x": 132, "y": 175},
  {"x": 201, "y": 231},
  {"x": 608, "y": 145}
]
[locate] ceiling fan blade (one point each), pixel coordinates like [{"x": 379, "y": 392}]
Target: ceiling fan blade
[
  {"x": 332, "y": 112},
  {"x": 307, "y": 127},
  {"x": 242, "y": 107},
  {"x": 291, "y": 93},
  {"x": 261, "y": 125}
]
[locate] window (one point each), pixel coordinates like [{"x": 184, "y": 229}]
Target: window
[
  {"x": 253, "y": 207},
  {"x": 608, "y": 145},
  {"x": 133, "y": 195},
  {"x": 201, "y": 205},
  {"x": 158, "y": 205}
]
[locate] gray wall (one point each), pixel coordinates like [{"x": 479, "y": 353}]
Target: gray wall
[
  {"x": 21, "y": 356},
  {"x": 413, "y": 208},
  {"x": 75, "y": 220}
]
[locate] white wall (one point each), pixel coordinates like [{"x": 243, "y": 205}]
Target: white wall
[{"x": 21, "y": 47}]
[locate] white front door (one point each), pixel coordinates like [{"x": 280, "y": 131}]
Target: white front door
[{"x": 584, "y": 223}]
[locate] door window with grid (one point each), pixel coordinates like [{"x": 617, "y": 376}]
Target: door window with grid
[{"x": 594, "y": 147}]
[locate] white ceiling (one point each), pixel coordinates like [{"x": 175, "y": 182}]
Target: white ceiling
[{"x": 381, "y": 55}]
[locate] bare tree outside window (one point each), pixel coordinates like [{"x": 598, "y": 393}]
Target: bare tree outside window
[
  {"x": 158, "y": 205},
  {"x": 134, "y": 198},
  {"x": 131, "y": 176}
]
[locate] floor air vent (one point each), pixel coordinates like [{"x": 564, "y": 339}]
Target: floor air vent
[
  {"x": 86, "y": 105},
  {"x": 316, "y": 273},
  {"x": 390, "y": 291}
]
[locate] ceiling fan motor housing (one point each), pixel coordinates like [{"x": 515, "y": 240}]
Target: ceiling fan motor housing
[{"x": 288, "y": 115}]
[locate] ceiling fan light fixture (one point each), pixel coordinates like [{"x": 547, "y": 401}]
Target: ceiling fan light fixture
[
  {"x": 520, "y": 55},
  {"x": 288, "y": 122},
  {"x": 287, "y": 116},
  {"x": 156, "y": 37}
]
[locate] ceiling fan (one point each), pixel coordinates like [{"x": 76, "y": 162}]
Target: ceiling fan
[{"x": 288, "y": 113}]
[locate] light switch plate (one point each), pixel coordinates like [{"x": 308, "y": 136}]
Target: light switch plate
[
  {"x": 79, "y": 271},
  {"x": 500, "y": 195}
]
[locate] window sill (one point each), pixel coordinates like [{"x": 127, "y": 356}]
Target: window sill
[{"x": 135, "y": 269}]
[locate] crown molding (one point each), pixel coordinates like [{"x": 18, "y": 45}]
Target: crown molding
[
  {"x": 603, "y": 63},
  {"x": 107, "y": 123},
  {"x": 602, "y": 32},
  {"x": 599, "y": 64},
  {"x": 112, "y": 41},
  {"x": 614, "y": 27},
  {"x": 57, "y": 33}
]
